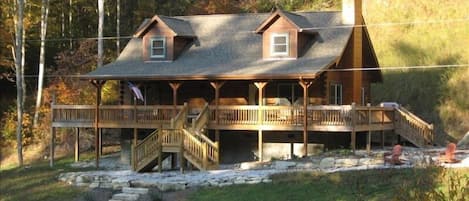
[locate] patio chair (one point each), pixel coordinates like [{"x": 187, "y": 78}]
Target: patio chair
[{"x": 393, "y": 157}]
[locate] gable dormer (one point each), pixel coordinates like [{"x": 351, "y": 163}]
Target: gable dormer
[
  {"x": 285, "y": 35},
  {"x": 164, "y": 38}
]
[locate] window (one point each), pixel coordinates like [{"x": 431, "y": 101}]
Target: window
[
  {"x": 279, "y": 44},
  {"x": 158, "y": 47},
  {"x": 335, "y": 94}
]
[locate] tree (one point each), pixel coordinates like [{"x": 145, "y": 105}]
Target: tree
[
  {"x": 40, "y": 81},
  {"x": 118, "y": 22},
  {"x": 100, "y": 31},
  {"x": 19, "y": 77}
]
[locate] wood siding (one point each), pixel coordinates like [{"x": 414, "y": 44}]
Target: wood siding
[
  {"x": 158, "y": 30},
  {"x": 280, "y": 25}
]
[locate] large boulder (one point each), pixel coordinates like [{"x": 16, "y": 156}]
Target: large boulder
[{"x": 464, "y": 142}]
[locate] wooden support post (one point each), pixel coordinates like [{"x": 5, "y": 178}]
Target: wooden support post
[
  {"x": 52, "y": 134},
  {"x": 98, "y": 84},
  {"x": 368, "y": 140},
  {"x": 175, "y": 86},
  {"x": 77, "y": 144},
  {"x": 100, "y": 142},
  {"x": 160, "y": 149},
  {"x": 135, "y": 140},
  {"x": 181, "y": 154},
  {"x": 260, "y": 86},
  {"x": 382, "y": 139},
  {"x": 52, "y": 147},
  {"x": 353, "y": 141},
  {"x": 382, "y": 129},
  {"x": 216, "y": 86},
  {"x": 204, "y": 156},
  {"x": 305, "y": 85}
]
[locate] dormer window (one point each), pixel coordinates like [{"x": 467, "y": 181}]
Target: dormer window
[
  {"x": 158, "y": 47},
  {"x": 279, "y": 44}
]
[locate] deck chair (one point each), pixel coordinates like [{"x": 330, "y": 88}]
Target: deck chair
[
  {"x": 393, "y": 157},
  {"x": 448, "y": 155}
]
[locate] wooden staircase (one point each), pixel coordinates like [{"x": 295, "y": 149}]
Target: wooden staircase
[
  {"x": 195, "y": 147},
  {"x": 412, "y": 128}
]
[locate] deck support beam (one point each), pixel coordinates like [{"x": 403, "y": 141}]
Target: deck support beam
[
  {"x": 260, "y": 142},
  {"x": 305, "y": 85},
  {"x": 368, "y": 137},
  {"x": 52, "y": 135},
  {"x": 99, "y": 85},
  {"x": 353, "y": 137},
  {"x": 77, "y": 144}
]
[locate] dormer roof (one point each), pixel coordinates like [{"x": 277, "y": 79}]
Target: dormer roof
[
  {"x": 298, "y": 21},
  {"x": 179, "y": 27}
]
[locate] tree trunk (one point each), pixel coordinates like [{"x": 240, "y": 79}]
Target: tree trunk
[
  {"x": 70, "y": 18},
  {"x": 118, "y": 22},
  {"x": 40, "y": 81},
  {"x": 19, "y": 80},
  {"x": 100, "y": 32}
]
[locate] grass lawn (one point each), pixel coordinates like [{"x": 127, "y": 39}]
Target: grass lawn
[
  {"x": 38, "y": 182},
  {"x": 403, "y": 184}
]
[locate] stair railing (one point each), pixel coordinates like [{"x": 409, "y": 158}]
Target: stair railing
[
  {"x": 413, "y": 128},
  {"x": 179, "y": 120},
  {"x": 202, "y": 148},
  {"x": 201, "y": 120},
  {"x": 144, "y": 151}
]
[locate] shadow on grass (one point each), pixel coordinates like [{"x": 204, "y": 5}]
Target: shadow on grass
[
  {"x": 388, "y": 184},
  {"x": 38, "y": 181}
]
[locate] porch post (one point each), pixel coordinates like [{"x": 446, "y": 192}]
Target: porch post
[
  {"x": 217, "y": 85},
  {"x": 175, "y": 86},
  {"x": 260, "y": 86},
  {"x": 98, "y": 84},
  {"x": 353, "y": 134},
  {"x": 77, "y": 144},
  {"x": 368, "y": 139},
  {"x": 52, "y": 134},
  {"x": 305, "y": 85}
]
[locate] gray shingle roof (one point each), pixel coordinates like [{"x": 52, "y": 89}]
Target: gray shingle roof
[
  {"x": 228, "y": 48},
  {"x": 180, "y": 27}
]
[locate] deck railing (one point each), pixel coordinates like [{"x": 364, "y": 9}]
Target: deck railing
[
  {"x": 246, "y": 116},
  {"x": 235, "y": 114},
  {"x": 115, "y": 114}
]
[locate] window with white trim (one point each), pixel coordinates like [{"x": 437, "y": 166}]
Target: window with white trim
[
  {"x": 335, "y": 94},
  {"x": 279, "y": 44},
  {"x": 158, "y": 47}
]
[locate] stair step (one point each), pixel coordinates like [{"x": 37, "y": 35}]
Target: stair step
[
  {"x": 132, "y": 190},
  {"x": 125, "y": 197}
]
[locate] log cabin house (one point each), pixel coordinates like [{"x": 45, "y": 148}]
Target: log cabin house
[{"x": 219, "y": 86}]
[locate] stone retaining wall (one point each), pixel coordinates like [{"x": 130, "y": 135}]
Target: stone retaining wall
[{"x": 253, "y": 172}]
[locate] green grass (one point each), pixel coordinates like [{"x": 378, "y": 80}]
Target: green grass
[
  {"x": 404, "y": 184},
  {"x": 38, "y": 182}
]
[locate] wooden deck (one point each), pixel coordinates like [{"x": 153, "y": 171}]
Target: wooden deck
[{"x": 345, "y": 118}]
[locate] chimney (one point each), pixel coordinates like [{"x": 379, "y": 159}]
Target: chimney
[{"x": 352, "y": 12}]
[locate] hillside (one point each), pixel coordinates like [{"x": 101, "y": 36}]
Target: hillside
[{"x": 439, "y": 36}]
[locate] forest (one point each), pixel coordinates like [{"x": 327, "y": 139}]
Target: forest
[{"x": 421, "y": 46}]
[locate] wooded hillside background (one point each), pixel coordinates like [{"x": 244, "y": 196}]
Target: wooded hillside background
[{"x": 422, "y": 46}]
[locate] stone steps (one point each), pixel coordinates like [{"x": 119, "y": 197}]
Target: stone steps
[{"x": 129, "y": 194}]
